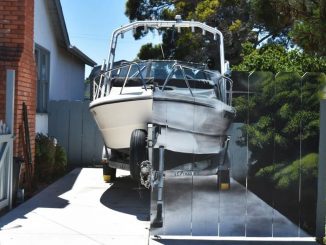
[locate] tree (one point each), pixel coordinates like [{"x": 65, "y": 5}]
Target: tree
[
  {"x": 231, "y": 17},
  {"x": 289, "y": 23},
  {"x": 281, "y": 113},
  {"x": 275, "y": 58},
  {"x": 301, "y": 23},
  {"x": 148, "y": 51},
  {"x": 279, "y": 103}
]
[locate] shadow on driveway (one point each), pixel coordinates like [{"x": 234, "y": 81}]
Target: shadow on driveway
[
  {"x": 127, "y": 196},
  {"x": 48, "y": 198}
]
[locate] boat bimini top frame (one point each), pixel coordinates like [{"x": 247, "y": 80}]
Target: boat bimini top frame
[{"x": 158, "y": 24}]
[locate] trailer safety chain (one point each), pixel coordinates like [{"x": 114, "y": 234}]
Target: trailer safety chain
[{"x": 145, "y": 173}]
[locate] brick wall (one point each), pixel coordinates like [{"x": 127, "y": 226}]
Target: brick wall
[{"x": 17, "y": 52}]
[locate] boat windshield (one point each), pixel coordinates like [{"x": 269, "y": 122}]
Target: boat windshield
[
  {"x": 181, "y": 77},
  {"x": 157, "y": 69}
]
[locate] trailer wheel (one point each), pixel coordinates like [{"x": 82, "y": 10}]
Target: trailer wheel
[{"x": 138, "y": 152}]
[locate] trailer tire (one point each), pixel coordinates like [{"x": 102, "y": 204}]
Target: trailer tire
[{"x": 138, "y": 152}]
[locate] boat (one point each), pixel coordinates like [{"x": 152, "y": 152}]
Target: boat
[{"x": 191, "y": 104}]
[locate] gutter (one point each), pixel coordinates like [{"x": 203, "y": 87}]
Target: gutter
[{"x": 78, "y": 53}]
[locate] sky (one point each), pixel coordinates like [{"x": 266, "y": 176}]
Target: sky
[{"x": 90, "y": 24}]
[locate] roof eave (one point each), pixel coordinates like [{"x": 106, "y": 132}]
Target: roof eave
[
  {"x": 75, "y": 51},
  {"x": 71, "y": 49}
]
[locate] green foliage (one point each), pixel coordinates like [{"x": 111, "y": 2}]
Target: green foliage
[
  {"x": 268, "y": 172},
  {"x": 299, "y": 24},
  {"x": 275, "y": 58},
  {"x": 229, "y": 16},
  {"x": 289, "y": 179},
  {"x": 285, "y": 177},
  {"x": 305, "y": 168},
  {"x": 283, "y": 113},
  {"x": 235, "y": 26},
  {"x": 44, "y": 157},
  {"x": 60, "y": 166},
  {"x": 310, "y": 36},
  {"x": 206, "y": 9},
  {"x": 50, "y": 159},
  {"x": 273, "y": 16},
  {"x": 148, "y": 51}
]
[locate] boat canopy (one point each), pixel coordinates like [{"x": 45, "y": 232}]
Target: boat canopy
[{"x": 159, "y": 24}]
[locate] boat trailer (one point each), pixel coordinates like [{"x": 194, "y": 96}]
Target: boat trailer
[{"x": 174, "y": 207}]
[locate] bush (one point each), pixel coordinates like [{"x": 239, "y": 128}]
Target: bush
[
  {"x": 50, "y": 159},
  {"x": 60, "y": 165},
  {"x": 289, "y": 177}
]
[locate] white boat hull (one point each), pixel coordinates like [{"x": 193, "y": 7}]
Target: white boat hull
[
  {"x": 190, "y": 125},
  {"x": 117, "y": 119}
]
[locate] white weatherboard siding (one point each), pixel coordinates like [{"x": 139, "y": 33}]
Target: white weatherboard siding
[
  {"x": 41, "y": 123},
  {"x": 68, "y": 80},
  {"x": 66, "y": 71}
]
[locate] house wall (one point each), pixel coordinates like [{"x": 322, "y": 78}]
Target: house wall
[
  {"x": 16, "y": 52},
  {"x": 66, "y": 71}
]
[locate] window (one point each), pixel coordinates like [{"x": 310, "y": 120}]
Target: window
[{"x": 42, "y": 59}]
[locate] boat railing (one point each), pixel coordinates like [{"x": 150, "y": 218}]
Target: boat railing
[
  {"x": 101, "y": 88},
  {"x": 223, "y": 85},
  {"x": 226, "y": 84},
  {"x": 175, "y": 67}
]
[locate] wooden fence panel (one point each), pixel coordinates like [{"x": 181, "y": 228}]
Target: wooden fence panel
[
  {"x": 75, "y": 132},
  {"x": 71, "y": 123}
]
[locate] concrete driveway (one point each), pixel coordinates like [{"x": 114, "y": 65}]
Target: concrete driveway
[{"x": 81, "y": 209}]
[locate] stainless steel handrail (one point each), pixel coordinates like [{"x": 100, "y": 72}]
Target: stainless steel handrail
[
  {"x": 184, "y": 76},
  {"x": 225, "y": 98},
  {"x": 98, "y": 87}
]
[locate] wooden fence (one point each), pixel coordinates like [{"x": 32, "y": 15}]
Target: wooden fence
[
  {"x": 5, "y": 169},
  {"x": 71, "y": 123},
  {"x": 6, "y": 144}
]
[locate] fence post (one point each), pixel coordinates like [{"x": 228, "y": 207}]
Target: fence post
[
  {"x": 321, "y": 197},
  {"x": 10, "y": 103}
]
